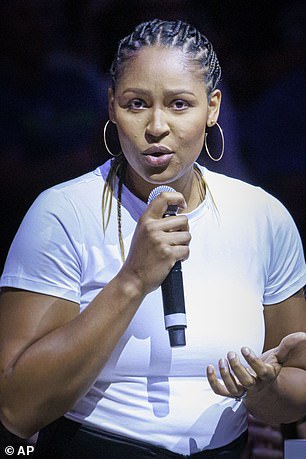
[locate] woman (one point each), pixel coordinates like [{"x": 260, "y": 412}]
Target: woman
[{"x": 110, "y": 369}]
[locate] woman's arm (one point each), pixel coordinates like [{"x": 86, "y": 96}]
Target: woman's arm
[
  {"x": 50, "y": 354},
  {"x": 276, "y": 385},
  {"x": 284, "y": 318},
  {"x": 284, "y": 399}
]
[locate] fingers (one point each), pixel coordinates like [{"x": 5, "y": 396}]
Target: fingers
[
  {"x": 176, "y": 253},
  {"x": 170, "y": 236},
  {"x": 288, "y": 344},
  {"x": 169, "y": 224},
  {"x": 236, "y": 377},
  {"x": 229, "y": 386},
  {"x": 261, "y": 370},
  {"x": 242, "y": 374},
  {"x": 152, "y": 219},
  {"x": 215, "y": 383},
  {"x": 165, "y": 235},
  {"x": 232, "y": 384},
  {"x": 159, "y": 205},
  {"x": 158, "y": 243},
  {"x": 258, "y": 370}
]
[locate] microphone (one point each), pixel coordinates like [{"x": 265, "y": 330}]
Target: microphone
[{"x": 172, "y": 287}]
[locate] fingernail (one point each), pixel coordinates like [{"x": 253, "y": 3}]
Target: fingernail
[
  {"x": 231, "y": 355},
  {"x": 210, "y": 369},
  {"x": 246, "y": 351},
  {"x": 222, "y": 364}
]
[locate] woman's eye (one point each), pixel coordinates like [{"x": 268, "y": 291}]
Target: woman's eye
[
  {"x": 180, "y": 104},
  {"x": 136, "y": 104}
]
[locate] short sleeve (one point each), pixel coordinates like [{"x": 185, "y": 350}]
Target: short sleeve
[
  {"x": 286, "y": 271},
  {"x": 45, "y": 255}
]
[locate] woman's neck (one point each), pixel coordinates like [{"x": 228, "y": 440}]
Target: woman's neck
[{"x": 191, "y": 186}]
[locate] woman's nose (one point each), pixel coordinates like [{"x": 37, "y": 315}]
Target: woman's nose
[{"x": 157, "y": 126}]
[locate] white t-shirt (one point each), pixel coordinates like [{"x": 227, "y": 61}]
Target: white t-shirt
[{"x": 245, "y": 252}]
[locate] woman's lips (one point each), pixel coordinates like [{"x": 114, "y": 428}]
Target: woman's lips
[{"x": 158, "y": 155}]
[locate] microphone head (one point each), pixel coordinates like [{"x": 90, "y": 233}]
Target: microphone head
[{"x": 158, "y": 190}]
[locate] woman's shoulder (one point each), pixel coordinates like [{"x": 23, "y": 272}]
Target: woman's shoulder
[
  {"x": 84, "y": 189},
  {"x": 81, "y": 184},
  {"x": 236, "y": 192},
  {"x": 226, "y": 182},
  {"x": 248, "y": 203}
]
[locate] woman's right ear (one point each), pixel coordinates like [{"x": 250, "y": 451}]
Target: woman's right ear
[{"x": 111, "y": 111}]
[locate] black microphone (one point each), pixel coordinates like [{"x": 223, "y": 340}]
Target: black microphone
[{"x": 172, "y": 287}]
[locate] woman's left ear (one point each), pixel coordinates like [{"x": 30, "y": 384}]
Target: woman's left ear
[
  {"x": 111, "y": 111},
  {"x": 214, "y": 107}
]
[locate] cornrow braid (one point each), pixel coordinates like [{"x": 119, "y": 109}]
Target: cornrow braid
[{"x": 179, "y": 34}]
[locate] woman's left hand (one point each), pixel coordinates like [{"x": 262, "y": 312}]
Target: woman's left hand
[{"x": 239, "y": 379}]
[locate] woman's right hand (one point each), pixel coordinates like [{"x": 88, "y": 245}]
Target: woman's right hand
[{"x": 158, "y": 242}]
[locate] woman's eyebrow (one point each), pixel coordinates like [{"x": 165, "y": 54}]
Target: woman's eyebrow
[
  {"x": 137, "y": 90},
  {"x": 174, "y": 92}
]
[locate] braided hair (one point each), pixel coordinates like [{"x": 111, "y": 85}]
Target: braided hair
[{"x": 196, "y": 47}]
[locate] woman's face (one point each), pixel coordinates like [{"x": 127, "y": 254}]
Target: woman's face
[{"x": 161, "y": 109}]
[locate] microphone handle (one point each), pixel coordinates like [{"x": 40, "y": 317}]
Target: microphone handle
[{"x": 174, "y": 306}]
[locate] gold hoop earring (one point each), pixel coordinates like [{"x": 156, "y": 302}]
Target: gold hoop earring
[
  {"x": 222, "y": 138},
  {"x": 105, "y": 142}
]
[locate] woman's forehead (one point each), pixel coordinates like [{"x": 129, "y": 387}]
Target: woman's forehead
[{"x": 159, "y": 62}]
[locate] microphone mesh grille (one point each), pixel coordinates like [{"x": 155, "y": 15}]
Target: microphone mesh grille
[{"x": 158, "y": 190}]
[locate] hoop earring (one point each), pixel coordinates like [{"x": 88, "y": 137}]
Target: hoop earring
[
  {"x": 222, "y": 150},
  {"x": 105, "y": 142}
]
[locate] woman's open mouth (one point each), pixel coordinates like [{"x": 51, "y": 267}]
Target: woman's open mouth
[{"x": 158, "y": 155}]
